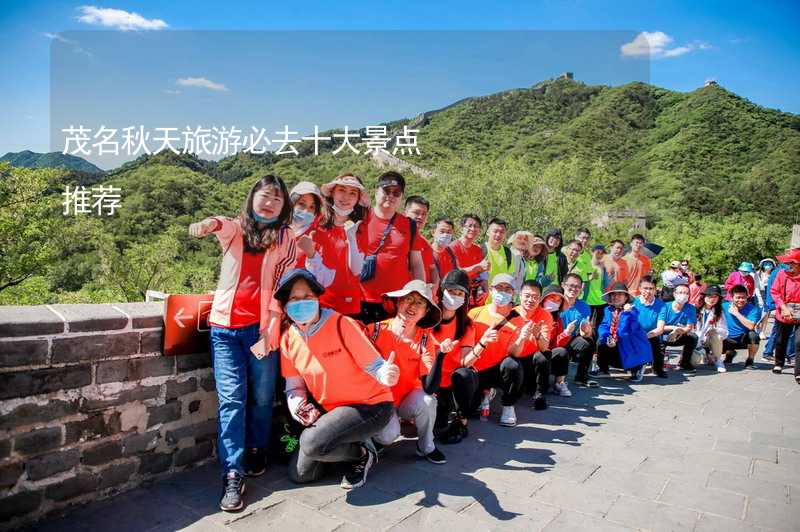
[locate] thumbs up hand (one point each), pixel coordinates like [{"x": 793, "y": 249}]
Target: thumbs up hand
[
  {"x": 306, "y": 244},
  {"x": 389, "y": 373}
]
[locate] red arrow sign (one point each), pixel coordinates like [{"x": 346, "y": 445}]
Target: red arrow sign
[{"x": 186, "y": 323}]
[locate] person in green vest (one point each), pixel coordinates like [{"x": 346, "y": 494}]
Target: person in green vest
[
  {"x": 574, "y": 265},
  {"x": 556, "y": 264},
  {"x": 584, "y": 236},
  {"x": 500, "y": 257},
  {"x": 536, "y": 262},
  {"x": 598, "y": 280}
]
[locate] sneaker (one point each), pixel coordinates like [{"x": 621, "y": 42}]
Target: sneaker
[
  {"x": 435, "y": 456},
  {"x": 638, "y": 376},
  {"x": 748, "y": 363},
  {"x": 451, "y": 434},
  {"x": 777, "y": 370},
  {"x": 586, "y": 384},
  {"x": 763, "y": 336},
  {"x": 254, "y": 462},
  {"x": 603, "y": 374},
  {"x": 720, "y": 366},
  {"x": 689, "y": 370},
  {"x": 560, "y": 388},
  {"x": 508, "y": 418},
  {"x": 357, "y": 476},
  {"x": 539, "y": 402},
  {"x": 729, "y": 356},
  {"x": 767, "y": 357},
  {"x": 662, "y": 374},
  {"x": 232, "y": 491}
]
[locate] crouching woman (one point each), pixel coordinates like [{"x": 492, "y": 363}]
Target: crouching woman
[{"x": 337, "y": 384}]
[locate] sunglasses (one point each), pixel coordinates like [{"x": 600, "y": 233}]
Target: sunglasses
[{"x": 393, "y": 191}]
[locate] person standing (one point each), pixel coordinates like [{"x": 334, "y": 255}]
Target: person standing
[
  {"x": 470, "y": 257},
  {"x": 638, "y": 263},
  {"x": 785, "y": 293}
]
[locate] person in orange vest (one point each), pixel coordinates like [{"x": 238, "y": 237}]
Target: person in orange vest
[
  {"x": 337, "y": 384},
  {"x": 404, "y": 339}
]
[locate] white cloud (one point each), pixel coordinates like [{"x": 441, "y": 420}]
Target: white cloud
[
  {"x": 171, "y": 91},
  {"x": 203, "y": 83},
  {"x": 119, "y": 19},
  {"x": 657, "y": 45}
]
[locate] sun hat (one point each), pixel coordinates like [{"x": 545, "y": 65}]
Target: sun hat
[
  {"x": 746, "y": 267},
  {"x": 793, "y": 255},
  {"x": 288, "y": 279},
  {"x": 346, "y": 180},
  {"x": 304, "y": 187},
  {"x": 618, "y": 288},
  {"x": 434, "y": 314}
]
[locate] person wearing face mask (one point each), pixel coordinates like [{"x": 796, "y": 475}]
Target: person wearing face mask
[
  {"x": 534, "y": 354},
  {"x": 443, "y": 257},
  {"x": 496, "y": 366},
  {"x": 785, "y": 292},
  {"x": 553, "y": 301},
  {"x": 712, "y": 327},
  {"x": 621, "y": 341},
  {"x": 416, "y": 209},
  {"x": 258, "y": 246},
  {"x": 680, "y": 319},
  {"x": 405, "y": 340},
  {"x": 769, "y": 306},
  {"x": 762, "y": 275},
  {"x": 337, "y": 384},
  {"x": 331, "y": 248},
  {"x": 459, "y": 380},
  {"x": 306, "y": 207}
]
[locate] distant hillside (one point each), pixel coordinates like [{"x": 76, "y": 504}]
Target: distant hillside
[{"x": 30, "y": 159}]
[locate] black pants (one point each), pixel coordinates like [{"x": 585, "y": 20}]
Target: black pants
[
  {"x": 689, "y": 343},
  {"x": 458, "y": 397},
  {"x": 579, "y": 349},
  {"x": 372, "y": 313},
  {"x": 781, "y": 342},
  {"x": 741, "y": 341},
  {"x": 598, "y": 312},
  {"x": 508, "y": 376},
  {"x": 658, "y": 354},
  {"x": 336, "y": 436},
  {"x": 608, "y": 357},
  {"x": 536, "y": 372}
]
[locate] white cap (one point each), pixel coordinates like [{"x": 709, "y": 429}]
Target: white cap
[{"x": 502, "y": 278}]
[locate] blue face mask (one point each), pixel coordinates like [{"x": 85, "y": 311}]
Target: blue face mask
[
  {"x": 302, "y": 217},
  {"x": 501, "y": 299},
  {"x": 303, "y": 311},
  {"x": 262, "y": 220}
]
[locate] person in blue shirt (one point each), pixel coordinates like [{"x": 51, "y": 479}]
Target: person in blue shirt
[
  {"x": 576, "y": 318},
  {"x": 621, "y": 341},
  {"x": 652, "y": 317},
  {"x": 742, "y": 318},
  {"x": 680, "y": 320}
]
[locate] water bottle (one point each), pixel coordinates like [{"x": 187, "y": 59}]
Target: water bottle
[{"x": 486, "y": 404}]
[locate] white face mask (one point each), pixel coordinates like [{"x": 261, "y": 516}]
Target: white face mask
[
  {"x": 551, "y": 306},
  {"x": 342, "y": 212},
  {"x": 682, "y": 298},
  {"x": 452, "y": 302},
  {"x": 444, "y": 239},
  {"x": 501, "y": 299}
]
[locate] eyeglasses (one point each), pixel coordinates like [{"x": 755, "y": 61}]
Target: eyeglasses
[
  {"x": 396, "y": 192},
  {"x": 573, "y": 286}
]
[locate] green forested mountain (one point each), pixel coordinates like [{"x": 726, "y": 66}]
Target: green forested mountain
[
  {"x": 29, "y": 159},
  {"x": 716, "y": 175}
]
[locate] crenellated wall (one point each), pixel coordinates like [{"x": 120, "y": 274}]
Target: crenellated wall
[{"x": 90, "y": 407}]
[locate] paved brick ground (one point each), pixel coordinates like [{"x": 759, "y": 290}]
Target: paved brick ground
[{"x": 708, "y": 452}]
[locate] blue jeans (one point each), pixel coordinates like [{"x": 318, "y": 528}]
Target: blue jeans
[{"x": 246, "y": 393}]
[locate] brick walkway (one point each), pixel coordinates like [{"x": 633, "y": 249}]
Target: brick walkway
[{"x": 708, "y": 452}]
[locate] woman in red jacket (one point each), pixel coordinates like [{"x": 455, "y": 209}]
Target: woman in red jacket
[{"x": 785, "y": 293}]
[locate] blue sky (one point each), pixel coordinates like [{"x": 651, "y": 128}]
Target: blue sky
[{"x": 187, "y": 63}]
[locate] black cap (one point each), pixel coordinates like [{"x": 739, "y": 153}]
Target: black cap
[
  {"x": 553, "y": 289},
  {"x": 712, "y": 290},
  {"x": 392, "y": 179},
  {"x": 458, "y": 280},
  {"x": 288, "y": 280}
]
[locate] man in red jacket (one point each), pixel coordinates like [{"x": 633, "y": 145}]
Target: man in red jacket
[{"x": 786, "y": 295}]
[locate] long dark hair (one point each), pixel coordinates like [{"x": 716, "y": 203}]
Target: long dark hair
[
  {"x": 258, "y": 236},
  {"x": 328, "y": 215},
  {"x": 463, "y": 321},
  {"x": 716, "y": 309}
]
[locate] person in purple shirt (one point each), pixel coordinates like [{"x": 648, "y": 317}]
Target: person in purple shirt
[{"x": 680, "y": 319}]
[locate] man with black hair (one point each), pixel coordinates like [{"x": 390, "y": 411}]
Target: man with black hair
[
  {"x": 500, "y": 257},
  {"x": 742, "y": 317},
  {"x": 417, "y": 208}
]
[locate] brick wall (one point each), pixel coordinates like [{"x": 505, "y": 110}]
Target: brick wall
[{"x": 89, "y": 406}]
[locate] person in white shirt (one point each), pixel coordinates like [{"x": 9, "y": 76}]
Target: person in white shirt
[{"x": 712, "y": 327}]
